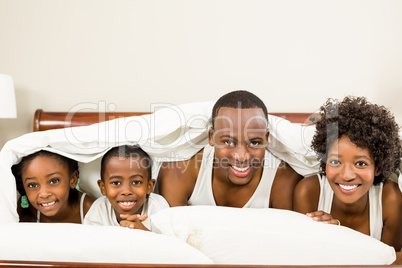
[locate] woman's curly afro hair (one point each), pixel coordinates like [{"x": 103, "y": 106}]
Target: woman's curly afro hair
[{"x": 367, "y": 125}]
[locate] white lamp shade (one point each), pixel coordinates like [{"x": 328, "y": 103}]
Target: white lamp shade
[{"x": 8, "y": 108}]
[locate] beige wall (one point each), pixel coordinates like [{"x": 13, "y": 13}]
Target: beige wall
[{"x": 293, "y": 54}]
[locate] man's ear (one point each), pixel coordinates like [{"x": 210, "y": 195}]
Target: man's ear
[
  {"x": 102, "y": 188},
  {"x": 211, "y": 140},
  {"x": 74, "y": 179},
  {"x": 151, "y": 184},
  {"x": 267, "y": 135}
]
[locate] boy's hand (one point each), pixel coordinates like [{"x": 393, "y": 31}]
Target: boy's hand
[
  {"x": 323, "y": 217},
  {"x": 133, "y": 221}
]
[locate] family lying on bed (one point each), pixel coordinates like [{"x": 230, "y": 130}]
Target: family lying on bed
[{"x": 357, "y": 143}]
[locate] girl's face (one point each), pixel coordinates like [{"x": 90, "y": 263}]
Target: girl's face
[
  {"x": 350, "y": 170},
  {"x": 126, "y": 185},
  {"x": 47, "y": 184}
]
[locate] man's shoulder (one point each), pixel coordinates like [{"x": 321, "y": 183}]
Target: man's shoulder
[
  {"x": 285, "y": 170},
  {"x": 185, "y": 168},
  {"x": 176, "y": 180}
]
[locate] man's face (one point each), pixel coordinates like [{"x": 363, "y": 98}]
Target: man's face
[{"x": 240, "y": 138}]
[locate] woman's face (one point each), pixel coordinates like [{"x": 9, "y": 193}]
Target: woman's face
[
  {"x": 47, "y": 185},
  {"x": 350, "y": 170}
]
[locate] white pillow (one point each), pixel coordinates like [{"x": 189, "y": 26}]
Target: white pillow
[
  {"x": 67, "y": 242},
  {"x": 269, "y": 237}
]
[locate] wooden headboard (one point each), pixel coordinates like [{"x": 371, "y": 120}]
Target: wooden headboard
[{"x": 44, "y": 120}]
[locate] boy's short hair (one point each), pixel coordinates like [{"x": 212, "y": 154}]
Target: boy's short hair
[
  {"x": 128, "y": 151},
  {"x": 240, "y": 99},
  {"x": 367, "y": 125}
]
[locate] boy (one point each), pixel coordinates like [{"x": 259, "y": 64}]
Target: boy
[{"x": 126, "y": 185}]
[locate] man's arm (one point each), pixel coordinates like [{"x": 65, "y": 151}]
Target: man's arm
[
  {"x": 283, "y": 187},
  {"x": 176, "y": 180}
]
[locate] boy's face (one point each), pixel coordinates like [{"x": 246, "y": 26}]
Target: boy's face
[
  {"x": 240, "y": 138},
  {"x": 125, "y": 183}
]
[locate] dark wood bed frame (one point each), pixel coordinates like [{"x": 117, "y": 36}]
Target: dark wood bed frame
[{"x": 44, "y": 120}]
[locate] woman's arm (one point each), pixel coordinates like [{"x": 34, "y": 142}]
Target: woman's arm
[
  {"x": 392, "y": 215},
  {"x": 306, "y": 195}
]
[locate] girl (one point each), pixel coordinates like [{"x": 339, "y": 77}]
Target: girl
[
  {"x": 47, "y": 184},
  {"x": 127, "y": 184},
  {"x": 359, "y": 148}
]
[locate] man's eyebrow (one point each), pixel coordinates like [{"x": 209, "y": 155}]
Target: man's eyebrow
[
  {"x": 256, "y": 138},
  {"x": 227, "y": 136}
]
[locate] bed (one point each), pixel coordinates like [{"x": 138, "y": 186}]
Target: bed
[
  {"x": 202, "y": 238},
  {"x": 45, "y": 120}
]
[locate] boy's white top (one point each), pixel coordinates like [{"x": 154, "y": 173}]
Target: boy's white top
[
  {"x": 102, "y": 212},
  {"x": 375, "y": 204},
  {"x": 203, "y": 194}
]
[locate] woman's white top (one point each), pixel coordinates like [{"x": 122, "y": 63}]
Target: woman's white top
[{"x": 375, "y": 204}]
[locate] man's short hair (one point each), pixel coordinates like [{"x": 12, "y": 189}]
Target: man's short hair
[{"x": 240, "y": 99}]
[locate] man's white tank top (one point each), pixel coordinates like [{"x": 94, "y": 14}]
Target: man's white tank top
[
  {"x": 375, "y": 204},
  {"x": 203, "y": 195}
]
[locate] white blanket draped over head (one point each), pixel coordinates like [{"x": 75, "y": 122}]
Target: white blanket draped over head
[{"x": 171, "y": 133}]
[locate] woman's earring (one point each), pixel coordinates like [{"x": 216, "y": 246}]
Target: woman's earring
[{"x": 24, "y": 202}]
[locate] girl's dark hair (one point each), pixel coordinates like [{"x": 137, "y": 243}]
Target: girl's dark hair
[
  {"x": 367, "y": 125},
  {"x": 71, "y": 164},
  {"x": 127, "y": 151}
]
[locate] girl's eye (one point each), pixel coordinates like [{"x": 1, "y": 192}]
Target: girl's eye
[
  {"x": 136, "y": 182},
  {"x": 361, "y": 164},
  {"x": 334, "y": 162},
  {"x": 32, "y": 185},
  {"x": 115, "y": 183},
  {"x": 54, "y": 180}
]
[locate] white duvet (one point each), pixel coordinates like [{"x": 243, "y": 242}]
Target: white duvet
[{"x": 171, "y": 133}]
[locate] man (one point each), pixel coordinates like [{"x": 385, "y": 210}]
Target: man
[{"x": 235, "y": 169}]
